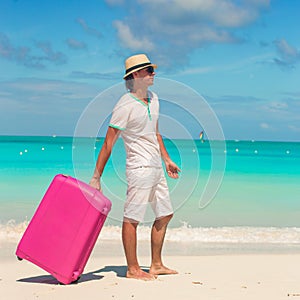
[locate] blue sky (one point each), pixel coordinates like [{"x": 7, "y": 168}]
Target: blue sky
[{"x": 242, "y": 56}]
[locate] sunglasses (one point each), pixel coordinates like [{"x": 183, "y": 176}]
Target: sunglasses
[{"x": 149, "y": 70}]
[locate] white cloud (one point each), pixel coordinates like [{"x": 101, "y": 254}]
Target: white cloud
[
  {"x": 75, "y": 44},
  {"x": 194, "y": 71},
  {"x": 237, "y": 66},
  {"x": 176, "y": 28},
  {"x": 294, "y": 128},
  {"x": 275, "y": 106},
  {"x": 41, "y": 106},
  {"x": 89, "y": 30},
  {"x": 286, "y": 50},
  {"x": 265, "y": 126},
  {"x": 225, "y": 13},
  {"x": 221, "y": 12},
  {"x": 288, "y": 55},
  {"x": 24, "y": 55},
  {"x": 128, "y": 39}
]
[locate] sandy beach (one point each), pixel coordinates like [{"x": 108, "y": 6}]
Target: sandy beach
[{"x": 226, "y": 277}]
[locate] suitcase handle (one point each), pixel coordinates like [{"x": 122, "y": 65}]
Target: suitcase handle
[{"x": 92, "y": 195}]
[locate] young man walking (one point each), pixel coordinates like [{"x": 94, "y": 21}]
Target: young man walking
[{"x": 135, "y": 117}]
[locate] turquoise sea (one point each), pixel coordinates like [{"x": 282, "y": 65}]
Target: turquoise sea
[{"x": 253, "y": 187}]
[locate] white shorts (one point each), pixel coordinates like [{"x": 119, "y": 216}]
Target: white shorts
[{"x": 147, "y": 185}]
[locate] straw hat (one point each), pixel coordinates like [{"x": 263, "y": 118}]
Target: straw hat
[{"x": 137, "y": 62}]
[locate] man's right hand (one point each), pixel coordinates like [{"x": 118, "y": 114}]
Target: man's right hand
[{"x": 95, "y": 183}]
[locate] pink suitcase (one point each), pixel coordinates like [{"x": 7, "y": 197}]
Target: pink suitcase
[{"x": 64, "y": 229}]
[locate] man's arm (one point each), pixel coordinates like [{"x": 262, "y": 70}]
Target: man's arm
[
  {"x": 171, "y": 167},
  {"x": 110, "y": 139}
]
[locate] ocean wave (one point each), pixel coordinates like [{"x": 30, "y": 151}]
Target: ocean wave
[{"x": 12, "y": 232}]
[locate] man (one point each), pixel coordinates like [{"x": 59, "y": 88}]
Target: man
[{"x": 136, "y": 117}]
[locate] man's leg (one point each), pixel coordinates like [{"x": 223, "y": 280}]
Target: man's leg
[
  {"x": 158, "y": 232},
  {"x": 130, "y": 247}
]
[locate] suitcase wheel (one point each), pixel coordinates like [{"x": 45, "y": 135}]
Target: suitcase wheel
[
  {"x": 75, "y": 281},
  {"x": 19, "y": 258}
]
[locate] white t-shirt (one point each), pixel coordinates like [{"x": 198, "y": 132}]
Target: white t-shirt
[{"x": 138, "y": 123}]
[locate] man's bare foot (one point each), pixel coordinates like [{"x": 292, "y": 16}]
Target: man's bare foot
[
  {"x": 161, "y": 270},
  {"x": 141, "y": 275}
]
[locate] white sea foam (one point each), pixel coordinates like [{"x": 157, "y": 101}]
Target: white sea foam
[{"x": 12, "y": 232}]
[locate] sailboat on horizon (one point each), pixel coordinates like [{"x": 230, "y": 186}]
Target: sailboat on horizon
[{"x": 201, "y": 136}]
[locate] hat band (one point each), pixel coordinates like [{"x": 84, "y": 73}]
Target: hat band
[{"x": 137, "y": 66}]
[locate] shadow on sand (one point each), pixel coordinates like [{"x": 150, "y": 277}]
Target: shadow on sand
[{"x": 120, "y": 271}]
